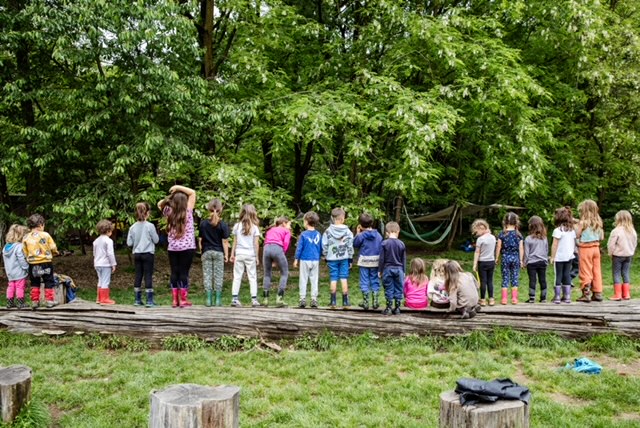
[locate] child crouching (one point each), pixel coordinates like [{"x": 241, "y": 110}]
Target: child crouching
[{"x": 463, "y": 293}]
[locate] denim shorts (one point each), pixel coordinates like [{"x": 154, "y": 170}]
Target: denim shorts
[{"x": 338, "y": 269}]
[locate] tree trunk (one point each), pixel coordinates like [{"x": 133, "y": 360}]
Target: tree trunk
[
  {"x": 301, "y": 168},
  {"x": 207, "y": 37},
  {"x": 503, "y": 413},
  {"x": 15, "y": 391},
  {"x": 195, "y": 406}
]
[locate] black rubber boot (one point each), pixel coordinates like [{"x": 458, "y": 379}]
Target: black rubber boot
[
  {"x": 376, "y": 301},
  {"x": 345, "y": 301},
  {"x": 388, "y": 310},
  {"x": 365, "y": 301},
  {"x": 333, "y": 303},
  {"x": 396, "y": 308},
  {"x": 137, "y": 293}
]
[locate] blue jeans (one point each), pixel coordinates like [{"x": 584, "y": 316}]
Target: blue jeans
[
  {"x": 338, "y": 269},
  {"x": 369, "y": 281},
  {"x": 621, "y": 267},
  {"x": 393, "y": 278}
]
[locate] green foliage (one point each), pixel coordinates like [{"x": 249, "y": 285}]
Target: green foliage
[
  {"x": 186, "y": 343},
  {"x": 323, "y": 341},
  {"x": 114, "y": 342},
  {"x": 34, "y": 414}
]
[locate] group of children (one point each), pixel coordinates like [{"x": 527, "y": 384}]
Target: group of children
[
  {"x": 29, "y": 252},
  {"x": 575, "y": 242}
]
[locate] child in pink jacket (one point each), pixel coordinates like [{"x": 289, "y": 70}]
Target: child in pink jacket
[
  {"x": 276, "y": 244},
  {"x": 416, "y": 285}
]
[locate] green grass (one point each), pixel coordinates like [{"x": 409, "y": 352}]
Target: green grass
[{"x": 326, "y": 380}]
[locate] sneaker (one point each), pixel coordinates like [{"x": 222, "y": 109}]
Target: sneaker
[
  {"x": 492, "y": 301},
  {"x": 303, "y": 303},
  {"x": 483, "y": 302},
  {"x": 236, "y": 303},
  {"x": 314, "y": 303},
  {"x": 254, "y": 303},
  {"x": 51, "y": 303}
]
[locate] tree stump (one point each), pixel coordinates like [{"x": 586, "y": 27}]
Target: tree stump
[
  {"x": 59, "y": 291},
  {"x": 501, "y": 414},
  {"x": 195, "y": 406},
  {"x": 15, "y": 391}
]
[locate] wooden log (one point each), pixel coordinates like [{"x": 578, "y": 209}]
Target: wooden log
[
  {"x": 195, "y": 406},
  {"x": 59, "y": 291},
  {"x": 15, "y": 391},
  {"x": 501, "y": 414}
]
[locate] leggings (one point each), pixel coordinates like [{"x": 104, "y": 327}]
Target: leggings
[
  {"x": 539, "y": 270},
  {"x": 180, "y": 262},
  {"x": 274, "y": 253},
  {"x": 485, "y": 271},
  {"x": 144, "y": 267}
]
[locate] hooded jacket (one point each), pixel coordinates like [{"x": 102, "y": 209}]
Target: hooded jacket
[
  {"x": 15, "y": 262},
  {"x": 369, "y": 243},
  {"x": 337, "y": 242}
]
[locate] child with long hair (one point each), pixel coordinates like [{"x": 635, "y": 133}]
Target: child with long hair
[
  {"x": 621, "y": 247},
  {"x": 562, "y": 254},
  {"x": 178, "y": 209},
  {"x": 589, "y": 233},
  {"x": 536, "y": 258},
  {"x": 104, "y": 260},
  {"x": 463, "y": 293},
  {"x": 416, "y": 285},
  {"x": 309, "y": 253},
  {"x": 214, "y": 244},
  {"x": 39, "y": 249},
  {"x": 436, "y": 291},
  {"x": 484, "y": 259},
  {"x": 15, "y": 266},
  {"x": 511, "y": 248},
  {"x": 276, "y": 244},
  {"x": 244, "y": 254},
  {"x": 142, "y": 238}
]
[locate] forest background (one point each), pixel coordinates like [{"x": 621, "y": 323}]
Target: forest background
[{"x": 310, "y": 104}]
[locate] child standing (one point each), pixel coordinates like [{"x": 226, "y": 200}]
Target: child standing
[
  {"x": 142, "y": 238},
  {"x": 463, "y": 293},
  {"x": 276, "y": 244},
  {"x": 621, "y": 247},
  {"x": 309, "y": 252},
  {"x": 416, "y": 286},
  {"x": 484, "y": 259},
  {"x": 16, "y": 266},
  {"x": 178, "y": 209},
  {"x": 337, "y": 247},
  {"x": 562, "y": 253},
  {"x": 511, "y": 247},
  {"x": 214, "y": 244},
  {"x": 589, "y": 233},
  {"x": 368, "y": 241},
  {"x": 244, "y": 254},
  {"x": 104, "y": 260},
  {"x": 39, "y": 249},
  {"x": 536, "y": 257},
  {"x": 393, "y": 257}
]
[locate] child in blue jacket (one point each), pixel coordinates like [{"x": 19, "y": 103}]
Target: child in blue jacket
[{"x": 368, "y": 241}]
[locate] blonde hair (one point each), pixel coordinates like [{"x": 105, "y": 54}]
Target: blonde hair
[
  {"x": 16, "y": 233},
  {"x": 248, "y": 218},
  {"x": 623, "y": 219},
  {"x": 437, "y": 268},
  {"x": 215, "y": 208},
  {"x": 452, "y": 271},
  {"x": 418, "y": 272},
  {"x": 478, "y": 224},
  {"x": 392, "y": 227},
  {"x": 589, "y": 217}
]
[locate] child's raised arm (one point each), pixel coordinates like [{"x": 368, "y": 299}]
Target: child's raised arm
[{"x": 191, "y": 194}]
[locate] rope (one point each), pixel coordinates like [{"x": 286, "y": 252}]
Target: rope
[{"x": 444, "y": 234}]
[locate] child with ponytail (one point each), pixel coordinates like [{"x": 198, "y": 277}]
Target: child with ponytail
[
  {"x": 214, "y": 244},
  {"x": 142, "y": 238}
]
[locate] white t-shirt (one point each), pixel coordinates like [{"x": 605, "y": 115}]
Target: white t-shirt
[
  {"x": 245, "y": 243},
  {"x": 566, "y": 244}
]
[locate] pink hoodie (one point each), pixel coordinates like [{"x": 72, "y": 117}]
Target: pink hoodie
[
  {"x": 278, "y": 235},
  {"x": 415, "y": 297}
]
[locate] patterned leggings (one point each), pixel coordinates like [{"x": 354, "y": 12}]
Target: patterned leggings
[
  {"x": 510, "y": 269},
  {"x": 212, "y": 269}
]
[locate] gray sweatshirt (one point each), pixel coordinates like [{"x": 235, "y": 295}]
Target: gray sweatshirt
[
  {"x": 464, "y": 294},
  {"x": 14, "y": 261},
  {"x": 337, "y": 242},
  {"x": 142, "y": 237}
]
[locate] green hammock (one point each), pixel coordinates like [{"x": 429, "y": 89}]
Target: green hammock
[{"x": 417, "y": 237}]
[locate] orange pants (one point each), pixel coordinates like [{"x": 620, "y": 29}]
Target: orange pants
[{"x": 590, "y": 269}]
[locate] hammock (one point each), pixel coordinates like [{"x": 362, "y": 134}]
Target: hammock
[
  {"x": 425, "y": 235},
  {"x": 444, "y": 234}
]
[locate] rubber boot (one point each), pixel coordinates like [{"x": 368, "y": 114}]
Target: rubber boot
[
  {"x": 556, "y": 297},
  {"x": 514, "y": 296},
  {"x": 503, "y": 301},
  {"x": 104, "y": 297},
  {"x": 586, "y": 294},
  {"x": 50, "y": 297},
  {"x": 138, "y": 297},
  {"x": 20, "y": 304},
  {"x": 376, "y": 301},
  {"x": 626, "y": 291},
  {"x": 345, "y": 301},
  {"x": 35, "y": 297},
  {"x": 11, "y": 304},
  {"x": 209, "y": 302},
  {"x": 280, "y": 303},
  {"x": 333, "y": 303},
  {"x": 365, "y": 301},
  {"x": 176, "y": 298},
  {"x": 184, "y": 302},
  {"x": 265, "y": 298},
  {"x": 596, "y": 297},
  {"x": 396, "y": 307},
  {"x": 218, "y": 298},
  {"x": 150, "y": 302},
  {"x": 617, "y": 292},
  {"x": 566, "y": 294},
  {"x": 388, "y": 310}
]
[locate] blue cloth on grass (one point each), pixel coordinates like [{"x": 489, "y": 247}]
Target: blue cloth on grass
[{"x": 584, "y": 365}]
